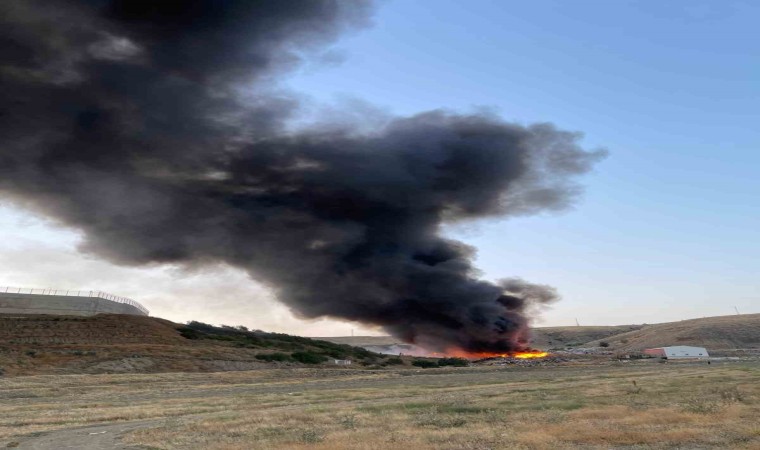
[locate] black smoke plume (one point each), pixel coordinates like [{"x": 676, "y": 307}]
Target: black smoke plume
[{"x": 158, "y": 130}]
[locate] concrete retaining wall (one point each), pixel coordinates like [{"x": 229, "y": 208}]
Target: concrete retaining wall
[{"x": 62, "y": 305}]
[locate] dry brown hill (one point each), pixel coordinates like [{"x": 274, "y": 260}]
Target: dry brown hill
[
  {"x": 107, "y": 343},
  {"x": 560, "y": 337},
  {"x": 103, "y": 329},
  {"x": 714, "y": 333}
]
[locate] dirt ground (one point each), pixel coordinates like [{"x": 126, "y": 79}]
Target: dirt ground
[{"x": 638, "y": 404}]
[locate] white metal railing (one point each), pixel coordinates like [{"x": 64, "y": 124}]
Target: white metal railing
[{"x": 73, "y": 293}]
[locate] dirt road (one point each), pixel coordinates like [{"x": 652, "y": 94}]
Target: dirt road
[{"x": 97, "y": 437}]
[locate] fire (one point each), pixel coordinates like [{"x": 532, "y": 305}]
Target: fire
[
  {"x": 530, "y": 355},
  {"x": 527, "y": 354}
]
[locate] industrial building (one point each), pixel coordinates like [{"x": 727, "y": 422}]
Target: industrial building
[
  {"x": 66, "y": 302},
  {"x": 678, "y": 352}
]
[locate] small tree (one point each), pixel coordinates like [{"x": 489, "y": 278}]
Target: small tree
[{"x": 424, "y": 363}]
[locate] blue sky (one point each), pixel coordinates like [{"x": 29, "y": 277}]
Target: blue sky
[{"x": 668, "y": 226}]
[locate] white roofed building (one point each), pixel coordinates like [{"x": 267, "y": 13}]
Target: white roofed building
[{"x": 678, "y": 352}]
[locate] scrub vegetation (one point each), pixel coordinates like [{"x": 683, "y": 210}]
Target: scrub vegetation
[{"x": 636, "y": 404}]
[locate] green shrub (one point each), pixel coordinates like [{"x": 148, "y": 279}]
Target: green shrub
[
  {"x": 424, "y": 363},
  {"x": 312, "y": 436},
  {"x": 240, "y": 336},
  {"x": 394, "y": 361},
  {"x": 604, "y": 344},
  {"x": 337, "y": 354},
  {"x": 308, "y": 357},
  {"x": 189, "y": 333},
  {"x": 456, "y": 362}
]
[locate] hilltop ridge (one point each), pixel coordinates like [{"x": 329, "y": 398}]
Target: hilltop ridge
[{"x": 720, "y": 333}]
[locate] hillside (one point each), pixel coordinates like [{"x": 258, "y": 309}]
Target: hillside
[
  {"x": 362, "y": 341},
  {"x": 715, "y": 333},
  {"x": 38, "y": 344},
  {"x": 108, "y": 343},
  {"x": 546, "y": 338},
  {"x": 542, "y": 338}
]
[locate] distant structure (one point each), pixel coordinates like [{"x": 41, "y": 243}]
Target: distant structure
[
  {"x": 63, "y": 302},
  {"x": 678, "y": 352},
  {"x": 342, "y": 362}
]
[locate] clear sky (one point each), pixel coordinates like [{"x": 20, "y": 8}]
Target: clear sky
[{"x": 669, "y": 226}]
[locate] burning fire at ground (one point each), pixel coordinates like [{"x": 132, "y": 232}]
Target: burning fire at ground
[{"x": 527, "y": 354}]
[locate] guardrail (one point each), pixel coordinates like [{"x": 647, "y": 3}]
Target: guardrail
[{"x": 73, "y": 293}]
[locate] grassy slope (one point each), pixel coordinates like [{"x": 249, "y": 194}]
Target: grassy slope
[
  {"x": 119, "y": 343},
  {"x": 718, "y": 333},
  {"x": 560, "y": 337}
]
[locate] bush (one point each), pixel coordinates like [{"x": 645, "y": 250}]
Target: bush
[
  {"x": 337, "y": 354},
  {"x": 456, "y": 362},
  {"x": 424, "y": 363},
  {"x": 394, "y": 361},
  {"x": 604, "y": 344},
  {"x": 189, "y": 333},
  {"x": 308, "y": 357},
  {"x": 273, "y": 357}
]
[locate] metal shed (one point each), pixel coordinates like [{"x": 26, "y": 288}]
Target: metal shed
[{"x": 678, "y": 352}]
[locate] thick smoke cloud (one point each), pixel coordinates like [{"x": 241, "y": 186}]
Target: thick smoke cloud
[{"x": 157, "y": 129}]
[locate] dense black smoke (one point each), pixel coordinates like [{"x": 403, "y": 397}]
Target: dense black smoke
[{"x": 156, "y": 128}]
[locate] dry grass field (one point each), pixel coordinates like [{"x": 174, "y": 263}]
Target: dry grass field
[{"x": 631, "y": 405}]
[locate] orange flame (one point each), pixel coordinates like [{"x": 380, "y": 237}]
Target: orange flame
[{"x": 528, "y": 354}]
